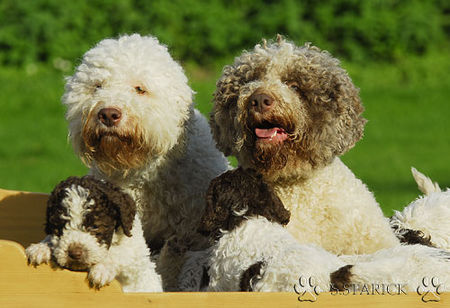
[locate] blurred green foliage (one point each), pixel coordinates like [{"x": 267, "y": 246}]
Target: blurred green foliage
[{"x": 203, "y": 31}]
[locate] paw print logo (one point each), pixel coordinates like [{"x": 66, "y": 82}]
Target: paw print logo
[
  {"x": 429, "y": 290},
  {"x": 306, "y": 289}
]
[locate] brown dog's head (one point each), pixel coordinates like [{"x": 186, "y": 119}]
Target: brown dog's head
[{"x": 286, "y": 110}]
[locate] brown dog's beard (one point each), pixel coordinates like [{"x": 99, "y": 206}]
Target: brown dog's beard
[
  {"x": 268, "y": 156},
  {"x": 113, "y": 150},
  {"x": 285, "y": 163}
]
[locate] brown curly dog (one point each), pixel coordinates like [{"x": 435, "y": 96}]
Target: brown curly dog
[{"x": 289, "y": 112}]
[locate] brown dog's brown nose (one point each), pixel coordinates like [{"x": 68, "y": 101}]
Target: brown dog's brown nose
[
  {"x": 110, "y": 116},
  {"x": 261, "y": 102},
  {"x": 75, "y": 252}
]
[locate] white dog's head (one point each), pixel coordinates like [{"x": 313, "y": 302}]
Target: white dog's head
[
  {"x": 127, "y": 103},
  {"x": 85, "y": 216}
]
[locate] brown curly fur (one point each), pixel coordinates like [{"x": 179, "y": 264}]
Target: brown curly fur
[
  {"x": 236, "y": 195},
  {"x": 316, "y": 103},
  {"x": 112, "y": 208},
  {"x": 250, "y": 276},
  {"x": 341, "y": 279},
  {"x": 412, "y": 237}
]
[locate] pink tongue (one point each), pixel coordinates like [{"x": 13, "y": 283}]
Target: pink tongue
[{"x": 265, "y": 132}]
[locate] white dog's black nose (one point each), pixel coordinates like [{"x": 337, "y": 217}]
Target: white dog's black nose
[
  {"x": 261, "y": 102},
  {"x": 75, "y": 252},
  {"x": 110, "y": 116}
]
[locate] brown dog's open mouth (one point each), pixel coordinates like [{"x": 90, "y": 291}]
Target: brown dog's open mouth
[{"x": 270, "y": 133}]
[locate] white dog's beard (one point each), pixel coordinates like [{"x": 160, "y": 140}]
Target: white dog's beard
[{"x": 115, "y": 150}]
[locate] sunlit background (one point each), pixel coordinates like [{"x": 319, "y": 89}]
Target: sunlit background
[{"x": 396, "y": 51}]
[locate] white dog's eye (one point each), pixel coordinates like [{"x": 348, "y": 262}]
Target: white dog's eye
[
  {"x": 140, "y": 90},
  {"x": 97, "y": 86}
]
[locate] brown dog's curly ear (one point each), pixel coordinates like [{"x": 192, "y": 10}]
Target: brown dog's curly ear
[
  {"x": 222, "y": 141},
  {"x": 216, "y": 211},
  {"x": 117, "y": 199},
  {"x": 55, "y": 211},
  {"x": 247, "y": 67},
  {"x": 127, "y": 210},
  {"x": 349, "y": 124},
  {"x": 333, "y": 102}
]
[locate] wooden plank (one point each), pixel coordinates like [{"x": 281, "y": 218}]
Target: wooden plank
[
  {"x": 25, "y": 286},
  {"x": 22, "y": 216},
  {"x": 31, "y": 279}
]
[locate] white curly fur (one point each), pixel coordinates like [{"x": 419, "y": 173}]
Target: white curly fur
[
  {"x": 127, "y": 259},
  {"x": 429, "y": 214},
  {"x": 176, "y": 156},
  {"x": 285, "y": 261},
  {"x": 405, "y": 264},
  {"x": 335, "y": 210}
]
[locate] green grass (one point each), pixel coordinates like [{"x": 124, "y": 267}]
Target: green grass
[
  {"x": 34, "y": 152},
  {"x": 408, "y": 112},
  {"x": 406, "y": 105}
]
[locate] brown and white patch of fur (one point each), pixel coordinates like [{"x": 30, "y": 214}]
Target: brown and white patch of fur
[
  {"x": 251, "y": 276},
  {"x": 412, "y": 237},
  {"x": 341, "y": 279}
]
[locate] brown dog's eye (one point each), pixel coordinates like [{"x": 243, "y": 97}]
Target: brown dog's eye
[
  {"x": 295, "y": 87},
  {"x": 98, "y": 85},
  {"x": 140, "y": 90}
]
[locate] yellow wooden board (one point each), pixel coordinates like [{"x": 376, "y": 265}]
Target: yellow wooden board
[{"x": 22, "y": 217}]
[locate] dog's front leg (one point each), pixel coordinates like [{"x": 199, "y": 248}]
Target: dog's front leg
[
  {"x": 102, "y": 273},
  {"x": 39, "y": 253},
  {"x": 136, "y": 272}
]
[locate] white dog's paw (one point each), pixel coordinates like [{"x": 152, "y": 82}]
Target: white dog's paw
[
  {"x": 38, "y": 253},
  {"x": 101, "y": 275}
]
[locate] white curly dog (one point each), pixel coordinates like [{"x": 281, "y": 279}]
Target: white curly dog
[
  {"x": 426, "y": 219},
  {"x": 132, "y": 121}
]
